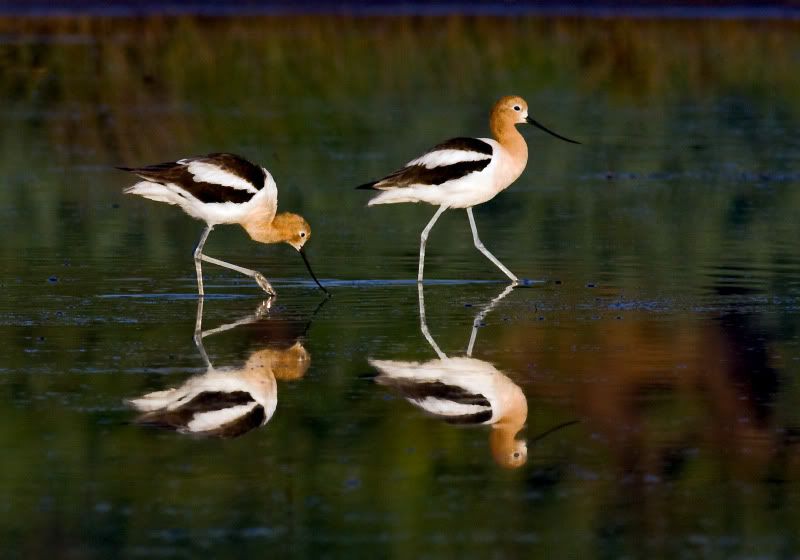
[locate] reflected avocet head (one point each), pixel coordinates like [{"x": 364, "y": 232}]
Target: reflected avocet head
[{"x": 508, "y": 452}]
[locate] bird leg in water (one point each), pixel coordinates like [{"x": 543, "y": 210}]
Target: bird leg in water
[
  {"x": 257, "y": 276},
  {"x": 424, "y": 239},
  {"x": 199, "y": 256},
  {"x": 484, "y": 250}
]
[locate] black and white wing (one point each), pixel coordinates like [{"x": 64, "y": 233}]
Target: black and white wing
[
  {"x": 210, "y": 412},
  {"x": 451, "y": 403},
  {"x": 213, "y": 178},
  {"x": 457, "y": 390},
  {"x": 449, "y": 161}
]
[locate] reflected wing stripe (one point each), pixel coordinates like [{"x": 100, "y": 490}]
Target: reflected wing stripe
[{"x": 422, "y": 390}]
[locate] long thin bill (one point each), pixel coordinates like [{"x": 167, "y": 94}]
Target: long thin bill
[
  {"x": 311, "y": 272},
  {"x": 548, "y": 131}
]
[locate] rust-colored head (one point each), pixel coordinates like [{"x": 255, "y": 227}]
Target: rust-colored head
[
  {"x": 284, "y": 228},
  {"x": 509, "y": 110},
  {"x": 512, "y": 110},
  {"x": 292, "y": 229}
]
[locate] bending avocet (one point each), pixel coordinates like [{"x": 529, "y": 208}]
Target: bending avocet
[
  {"x": 464, "y": 172},
  {"x": 225, "y": 189}
]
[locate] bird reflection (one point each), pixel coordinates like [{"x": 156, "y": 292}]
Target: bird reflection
[
  {"x": 464, "y": 390},
  {"x": 227, "y": 402}
]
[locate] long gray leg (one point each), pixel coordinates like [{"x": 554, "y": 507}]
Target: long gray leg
[
  {"x": 423, "y": 325},
  {"x": 198, "y": 255},
  {"x": 484, "y": 250},
  {"x": 257, "y": 276},
  {"x": 424, "y": 239}
]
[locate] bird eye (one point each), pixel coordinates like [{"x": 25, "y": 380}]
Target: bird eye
[
  {"x": 302, "y": 234},
  {"x": 516, "y": 455},
  {"x": 516, "y": 107}
]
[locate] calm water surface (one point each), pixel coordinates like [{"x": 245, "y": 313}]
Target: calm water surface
[{"x": 651, "y": 366}]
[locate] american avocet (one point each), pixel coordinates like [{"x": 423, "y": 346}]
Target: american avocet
[
  {"x": 463, "y": 390},
  {"x": 228, "y": 402},
  {"x": 225, "y": 189},
  {"x": 464, "y": 172}
]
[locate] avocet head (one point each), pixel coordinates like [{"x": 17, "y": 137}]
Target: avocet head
[
  {"x": 511, "y": 108},
  {"x": 514, "y": 109},
  {"x": 294, "y": 230}
]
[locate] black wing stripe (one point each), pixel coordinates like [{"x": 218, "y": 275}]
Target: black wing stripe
[
  {"x": 421, "y": 175},
  {"x": 477, "y": 418},
  {"x": 465, "y": 144},
  {"x": 238, "y": 166},
  {"x": 178, "y": 174}
]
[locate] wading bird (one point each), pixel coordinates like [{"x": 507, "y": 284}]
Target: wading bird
[
  {"x": 464, "y": 172},
  {"x": 225, "y": 189}
]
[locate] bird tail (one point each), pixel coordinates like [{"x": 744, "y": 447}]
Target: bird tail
[
  {"x": 393, "y": 197},
  {"x": 367, "y": 186},
  {"x": 154, "y": 191}
]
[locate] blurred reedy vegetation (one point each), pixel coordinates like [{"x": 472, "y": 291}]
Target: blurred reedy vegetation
[{"x": 690, "y": 118}]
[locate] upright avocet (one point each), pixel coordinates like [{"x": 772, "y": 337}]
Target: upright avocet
[
  {"x": 464, "y": 172},
  {"x": 225, "y": 189}
]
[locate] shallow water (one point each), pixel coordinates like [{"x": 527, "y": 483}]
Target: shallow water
[{"x": 656, "y": 347}]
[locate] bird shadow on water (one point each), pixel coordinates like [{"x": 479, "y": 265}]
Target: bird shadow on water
[
  {"x": 232, "y": 400},
  {"x": 465, "y": 390}
]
